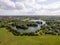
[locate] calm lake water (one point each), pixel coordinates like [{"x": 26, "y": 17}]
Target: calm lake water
[{"x": 30, "y": 29}]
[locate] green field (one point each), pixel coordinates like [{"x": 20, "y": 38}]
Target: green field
[{"x": 7, "y": 38}]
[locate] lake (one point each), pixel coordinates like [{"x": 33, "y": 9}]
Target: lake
[{"x": 30, "y": 29}]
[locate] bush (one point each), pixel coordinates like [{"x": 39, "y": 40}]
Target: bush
[
  {"x": 32, "y": 24},
  {"x": 39, "y": 22},
  {"x": 22, "y": 27}
]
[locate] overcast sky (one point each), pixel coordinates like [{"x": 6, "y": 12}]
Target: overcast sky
[{"x": 29, "y": 7}]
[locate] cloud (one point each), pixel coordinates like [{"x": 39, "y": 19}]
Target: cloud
[
  {"x": 55, "y": 5},
  {"x": 6, "y": 4},
  {"x": 19, "y": 5},
  {"x": 39, "y": 1},
  {"x": 27, "y": 7}
]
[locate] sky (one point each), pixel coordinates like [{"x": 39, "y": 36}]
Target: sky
[{"x": 30, "y": 7}]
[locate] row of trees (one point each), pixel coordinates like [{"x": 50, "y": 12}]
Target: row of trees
[{"x": 52, "y": 27}]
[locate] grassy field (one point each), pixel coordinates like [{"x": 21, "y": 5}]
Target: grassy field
[{"x": 7, "y": 38}]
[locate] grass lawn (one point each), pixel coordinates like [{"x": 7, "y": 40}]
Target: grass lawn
[{"x": 7, "y": 38}]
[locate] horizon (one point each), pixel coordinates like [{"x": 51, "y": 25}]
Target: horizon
[{"x": 29, "y": 15}]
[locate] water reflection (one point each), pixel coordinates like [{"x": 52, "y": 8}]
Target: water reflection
[{"x": 31, "y": 29}]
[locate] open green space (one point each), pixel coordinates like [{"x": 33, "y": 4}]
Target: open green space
[{"x": 7, "y": 38}]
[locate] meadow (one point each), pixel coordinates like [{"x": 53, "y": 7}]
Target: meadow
[{"x": 7, "y": 38}]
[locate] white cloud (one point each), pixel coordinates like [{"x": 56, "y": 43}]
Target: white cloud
[
  {"x": 55, "y": 5},
  {"x": 5, "y": 4},
  {"x": 19, "y": 5},
  {"x": 29, "y": 7},
  {"x": 39, "y": 1}
]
